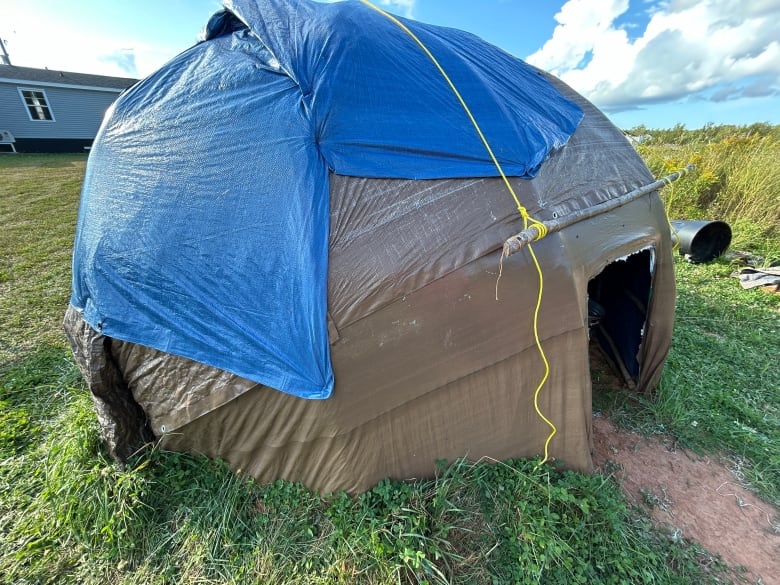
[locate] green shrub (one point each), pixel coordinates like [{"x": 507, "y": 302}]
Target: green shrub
[{"x": 737, "y": 178}]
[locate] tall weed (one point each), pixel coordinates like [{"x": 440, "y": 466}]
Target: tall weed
[{"x": 737, "y": 179}]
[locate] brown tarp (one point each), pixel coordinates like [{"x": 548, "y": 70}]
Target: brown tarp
[{"x": 428, "y": 364}]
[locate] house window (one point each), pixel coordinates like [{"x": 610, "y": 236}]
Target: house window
[{"x": 37, "y": 105}]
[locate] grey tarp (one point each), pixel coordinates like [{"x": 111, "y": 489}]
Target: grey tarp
[{"x": 427, "y": 363}]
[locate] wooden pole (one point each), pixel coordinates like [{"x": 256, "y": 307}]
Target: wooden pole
[{"x": 530, "y": 234}]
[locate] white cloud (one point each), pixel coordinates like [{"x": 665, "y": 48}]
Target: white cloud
[
  {"x": 34, "y": 41},
  {"x": 124, "y": 59},
  {"x": 710, "y": 49},
  {"x": 580, "y": 25}
]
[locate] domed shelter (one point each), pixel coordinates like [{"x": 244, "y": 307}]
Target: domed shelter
[{"x": 290, "y": 239}]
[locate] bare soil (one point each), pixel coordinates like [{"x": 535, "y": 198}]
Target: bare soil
[{"x": 694, "y": 498}]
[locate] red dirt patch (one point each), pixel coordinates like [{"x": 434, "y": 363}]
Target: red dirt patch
[{"x": 696, "y": 497}]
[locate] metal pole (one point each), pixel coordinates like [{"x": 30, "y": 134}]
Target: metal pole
[
  {"x": 4, "y": 58},
  {"x": 530, "y": 234}
]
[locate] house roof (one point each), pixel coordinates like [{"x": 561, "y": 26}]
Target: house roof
[{"x": 63, "y": 78}]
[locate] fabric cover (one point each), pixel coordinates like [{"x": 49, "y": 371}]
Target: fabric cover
[
  {"x": 203, "y": 227},
  {"x": 427, "y": 363}
]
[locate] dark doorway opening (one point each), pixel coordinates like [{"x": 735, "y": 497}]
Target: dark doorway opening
[{"x": 618, "y": 298}]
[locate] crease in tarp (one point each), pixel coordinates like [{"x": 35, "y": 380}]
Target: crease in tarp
[
  {"x": 353, "y": 65},
  {"x": 203, "y": 225}
]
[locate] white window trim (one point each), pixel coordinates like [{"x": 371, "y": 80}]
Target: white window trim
[{"x": 27, "y": 109}]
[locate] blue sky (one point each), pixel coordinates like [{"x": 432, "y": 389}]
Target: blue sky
[{"x": 652, "y": 62}]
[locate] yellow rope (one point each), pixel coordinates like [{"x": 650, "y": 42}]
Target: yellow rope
[
  {"x": 543, "y": 381},
  {"x": 527, "y": 219},
  {"x": 523, "y": 211}
]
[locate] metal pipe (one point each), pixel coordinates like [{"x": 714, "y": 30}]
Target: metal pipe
[
  {"x": 530, "y": 234},
  {"x": 4, "y": 58}
]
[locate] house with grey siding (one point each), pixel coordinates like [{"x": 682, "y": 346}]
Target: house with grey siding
[{"x": 54, "y": 111}]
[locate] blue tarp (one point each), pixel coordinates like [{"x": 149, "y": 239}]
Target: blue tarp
[{"x": 203, "y": 226}]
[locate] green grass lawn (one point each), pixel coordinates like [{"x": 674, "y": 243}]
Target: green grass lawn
[
  {"x": 720, "y": 391},
  {"x": 69, "y": 515}
]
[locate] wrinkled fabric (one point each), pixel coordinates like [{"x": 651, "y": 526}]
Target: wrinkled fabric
[
  {"x": 204, "y": 218},
  {"x": 381, "y": 108}
]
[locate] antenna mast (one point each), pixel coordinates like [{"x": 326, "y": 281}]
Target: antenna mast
[{"x": 4, "y": 58}]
